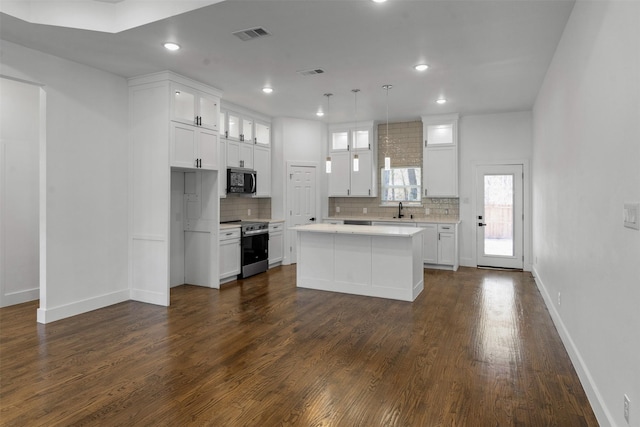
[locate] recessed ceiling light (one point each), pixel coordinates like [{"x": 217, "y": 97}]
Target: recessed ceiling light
[
  {"x": 379, "y": 1},
  {"x": 320, "y": 113},
  {"x": 171, "y": 46},
  {"x": 421, "y": 67},
  {"x": 441, "y": 101},
  {"x": 267, "y": 89}
]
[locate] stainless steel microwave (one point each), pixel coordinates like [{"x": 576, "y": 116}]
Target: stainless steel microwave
[{"x": 241, "y": 181}]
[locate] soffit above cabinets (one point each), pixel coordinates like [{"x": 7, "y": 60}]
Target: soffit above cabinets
[{"x": 110, "y": 16}]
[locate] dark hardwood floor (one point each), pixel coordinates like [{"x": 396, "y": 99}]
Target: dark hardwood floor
[{"x": 476, "y": 348}]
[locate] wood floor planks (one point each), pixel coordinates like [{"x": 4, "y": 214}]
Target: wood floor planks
[{"x": 476, "y": 348}]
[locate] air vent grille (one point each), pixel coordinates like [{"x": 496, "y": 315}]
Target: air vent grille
[
  {"x": 311, "y": 72},
  {"x": 251, "y": 33}
]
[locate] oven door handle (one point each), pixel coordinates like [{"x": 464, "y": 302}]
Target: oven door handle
[{"x": 254, "y": 232}]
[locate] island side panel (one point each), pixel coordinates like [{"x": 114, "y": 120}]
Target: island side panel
[
  {"x": 353, "y": 264},
  {"x": 418, "y": 266},
  {"x": 392, "y": 267},
  {"x": 315, "y": 263}
]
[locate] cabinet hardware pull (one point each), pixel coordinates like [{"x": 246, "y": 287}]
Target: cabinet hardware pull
[{"x": 196, "y": 163}]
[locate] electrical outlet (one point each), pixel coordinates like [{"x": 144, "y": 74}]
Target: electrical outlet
[
  {"x": 426, "y": 211},
  {"x": 337, "y": 209},
  {"x": 627, "y": 405},
  {"x": 248, "y": 212},
  {"x": 559, "y": 299},
  {"x": 364, "y": 210}
]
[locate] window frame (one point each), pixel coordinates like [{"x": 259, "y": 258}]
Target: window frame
[{"x": 417, "y": 186}]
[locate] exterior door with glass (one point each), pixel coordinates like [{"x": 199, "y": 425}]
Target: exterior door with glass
[{"x": 499, "y": 216}]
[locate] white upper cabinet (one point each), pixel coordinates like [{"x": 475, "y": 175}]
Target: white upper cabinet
[
  {"x": 247, "y": 130},
  {"x": 192, "y": 147},
  {"x": 440, "y": 156},
  {"x": 245, "y": 141},
  {"x": 345, "y": 143},
  {"x": 263, "y": 133},
  {"x": 194, "y": 107},
  {"x": 340, "y": 140},
  {"x": 233, "y": 126}
]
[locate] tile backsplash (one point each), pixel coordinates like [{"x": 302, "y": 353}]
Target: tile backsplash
[
  {"x": 237, "y": 207},
  {"x": 439, "y": 208}
]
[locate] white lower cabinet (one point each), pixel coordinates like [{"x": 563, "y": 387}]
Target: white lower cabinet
[
  {"x": 430, "y": 251},
  {"x": 276, "y": 243},
  {"x": 440, "y": 245},
  {"x": 229, "y": 254},
  {"x": 446, "y": 245}
]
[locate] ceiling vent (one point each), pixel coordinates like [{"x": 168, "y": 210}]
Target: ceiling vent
[
  {"x": 311, "y": 72},
  {"x": 251, "y": 33}
]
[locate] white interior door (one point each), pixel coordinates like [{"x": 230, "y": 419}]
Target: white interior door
[
  {"x": 302, "y": 200},
  {"x": 499, "y": 216}
]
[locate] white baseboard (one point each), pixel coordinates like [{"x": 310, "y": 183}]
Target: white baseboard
[
  {"x": 19, "y": 297},
  {"x": 49, "y": 315},
  {"x": 149, "y": 297},
  {"x": 600, "y": 410},
  {"x": 467, "y": 262}
]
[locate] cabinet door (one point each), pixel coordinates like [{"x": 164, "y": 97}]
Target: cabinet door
[
  {"x": 339, "y": 178},
  {"x": 362, "y": 180},
  {"x": 276, "y": 247},
  {"x": 247, "y": 130},
  {"x": 183, "y": 145},
  {"x": 229, "y": 258},
  {"x": 246, "y": 156},
  {"x": 441, "y": 171},
  {"x": 222, "y": 174},
  {"x": 233, "y": 125},
  {"x": 208, "y": 111},
  {"x": 183, "y": 104},
  {"x": 262, "y": 165},
  {"x": 446, "y": 248},
  {"x": 263, "y": 134},
  {"x": 340, "y": 140},
  {"x": 208, "y": 149},
  {"x": 233, "y": 154},
  {"x": 430, "y": 248}
]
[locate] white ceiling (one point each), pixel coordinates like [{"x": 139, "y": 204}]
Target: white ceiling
[{"x": 485, "y": 56}]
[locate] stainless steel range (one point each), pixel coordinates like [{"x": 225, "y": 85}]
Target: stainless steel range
[{"x": 254, "y": 246}]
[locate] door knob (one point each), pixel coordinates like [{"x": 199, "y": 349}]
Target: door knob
[
  {"x": 480, "y": 224},
  {"x": 312, "y": 219}
]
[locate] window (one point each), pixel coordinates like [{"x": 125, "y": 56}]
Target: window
[{"x": 401, "y": 185}]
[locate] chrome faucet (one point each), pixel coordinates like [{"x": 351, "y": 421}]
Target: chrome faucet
[{"x": 400, "y": 210}]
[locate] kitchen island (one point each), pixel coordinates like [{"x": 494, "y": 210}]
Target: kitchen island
[{"x": 378, "y": 261}]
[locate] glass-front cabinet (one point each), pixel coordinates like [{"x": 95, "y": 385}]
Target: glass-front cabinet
[{"x": 193, "y": 107}]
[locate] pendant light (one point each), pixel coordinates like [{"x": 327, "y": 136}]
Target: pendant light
[
  {"x": 356, "y": 161},
  {"x": 387, "y": 158},
  {"x": 327, "y": 166}
]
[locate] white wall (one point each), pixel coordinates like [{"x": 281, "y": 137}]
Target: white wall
[
  {"x": 85, "y": 246},
  {"x": 486, "y": 139},
  {"x": 20, "y": 134},
  {"x": 586, "y": 161},
  {"x": 295, "y": 140}
]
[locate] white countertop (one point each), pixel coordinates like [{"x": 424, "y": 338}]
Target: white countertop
[
  {"x": 368, "y": 230},
  {"x": 230, "y": 225},
  {"x": 401, "y": 220}
]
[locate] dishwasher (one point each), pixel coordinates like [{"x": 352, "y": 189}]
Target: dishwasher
[{"x": 356, "y": 222}]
